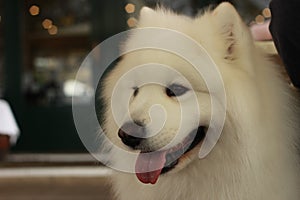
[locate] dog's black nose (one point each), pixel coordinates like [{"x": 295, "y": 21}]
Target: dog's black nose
[{"x": 132, "y": 134}]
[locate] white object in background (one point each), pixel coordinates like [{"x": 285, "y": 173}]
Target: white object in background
[{"x": 8, "y": 125}]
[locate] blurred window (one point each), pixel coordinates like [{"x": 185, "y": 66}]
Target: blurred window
[
  {"x": 57, "y": 38},
  {"x": 1, "y": 50}
]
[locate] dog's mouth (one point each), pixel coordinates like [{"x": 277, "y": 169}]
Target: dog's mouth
[{"x": 150, "y": 165}]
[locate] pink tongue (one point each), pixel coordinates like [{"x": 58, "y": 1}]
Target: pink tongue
[{"x": 148, "y": 166}]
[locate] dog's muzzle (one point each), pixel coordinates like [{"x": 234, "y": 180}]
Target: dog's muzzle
[{"x": 132, "y": 135}]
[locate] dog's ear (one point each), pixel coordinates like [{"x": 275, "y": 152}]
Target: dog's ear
[
  {"x": 229, "y": 24},
  {"x": 146, "y": 12}
]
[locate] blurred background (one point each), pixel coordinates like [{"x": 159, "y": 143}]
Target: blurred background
[{"x": 42, "y": 44}]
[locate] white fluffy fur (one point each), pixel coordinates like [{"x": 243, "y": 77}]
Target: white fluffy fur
[{"x": 255, "y": 158}]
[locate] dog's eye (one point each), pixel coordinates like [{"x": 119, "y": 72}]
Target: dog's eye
[
  {"x": 135, "y": 91},
  {"x": 176, "y": 90}
]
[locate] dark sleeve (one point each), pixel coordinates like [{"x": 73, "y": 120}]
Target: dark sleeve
[{"x": 285, "y": 29}]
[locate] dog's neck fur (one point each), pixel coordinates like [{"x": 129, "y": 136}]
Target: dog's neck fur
[{"x": 233, "y": 176}]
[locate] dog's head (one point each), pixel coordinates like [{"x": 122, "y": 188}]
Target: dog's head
[{"x": 158, "y": 104}]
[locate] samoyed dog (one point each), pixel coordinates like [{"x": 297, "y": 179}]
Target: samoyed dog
[{"x": 159, "y": 109}]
